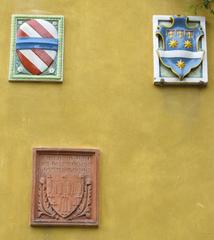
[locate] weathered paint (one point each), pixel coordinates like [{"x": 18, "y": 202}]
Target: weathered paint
[{"x": 156, "y": 166}]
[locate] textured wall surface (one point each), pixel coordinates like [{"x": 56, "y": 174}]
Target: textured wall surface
[{"x": 157, "y": 164}]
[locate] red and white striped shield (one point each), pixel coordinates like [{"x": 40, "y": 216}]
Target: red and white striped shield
[{"x": 34, "y": 58}]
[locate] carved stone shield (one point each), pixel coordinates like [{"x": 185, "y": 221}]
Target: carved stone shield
[
  {"x": 65, "y": 193},
  {"x": 181, "y": 51}
]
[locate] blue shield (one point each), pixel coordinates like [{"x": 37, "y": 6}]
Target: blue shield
[{"x": 181, "y": 46}]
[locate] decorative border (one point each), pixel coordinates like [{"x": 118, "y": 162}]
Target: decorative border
[
  {"x": 161, "y": 81},
  {"x": 39, "y": 150},
  {"x": 42, "y": 78}
]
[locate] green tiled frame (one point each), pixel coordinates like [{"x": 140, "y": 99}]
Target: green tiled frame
[{"x": 58, "y": 76}]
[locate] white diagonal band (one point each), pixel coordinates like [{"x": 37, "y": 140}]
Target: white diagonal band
[
  {"x": 25, "y": 27},
  {"x": 34, "y": 59},
  {"x": 48, "y": 26}
]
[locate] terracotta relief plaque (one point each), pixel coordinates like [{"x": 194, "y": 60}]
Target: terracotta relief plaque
[{"x": 65, "y": 189}]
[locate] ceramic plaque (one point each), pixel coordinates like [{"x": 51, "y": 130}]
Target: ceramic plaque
[
  {"x": 36, "y": 48},
  {"x": 180, "y": 52},
  {"x": 65, "y": 187}
]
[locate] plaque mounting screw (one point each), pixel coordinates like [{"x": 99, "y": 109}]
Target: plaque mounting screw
[
  {"x": 20, "y": 69},
  {"x": 51, "y": 70}
]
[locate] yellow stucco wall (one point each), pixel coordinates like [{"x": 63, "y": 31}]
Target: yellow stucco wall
[{"x": 157, "y": 154}]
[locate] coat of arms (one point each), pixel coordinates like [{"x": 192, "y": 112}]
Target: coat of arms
[
  {"x": 180, "y": 48},
  {"x": 37, "y": 48},
  {"x": 64, "y": 197},
  {"x": 65, "y": 188},
  {"x": 181, "y": 51}
]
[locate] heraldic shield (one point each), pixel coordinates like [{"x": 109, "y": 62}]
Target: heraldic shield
[
  {"x": 181, "y": 46},
  {"x": 65, "y": 193},
  {"x": 37, "y": 45}
]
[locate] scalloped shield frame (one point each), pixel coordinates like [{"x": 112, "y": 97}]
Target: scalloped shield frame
[
  {"x": 163, "y": 75},
  {"x": 29, "y": 44}
]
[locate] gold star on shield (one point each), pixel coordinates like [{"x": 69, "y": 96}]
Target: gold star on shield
[
  {"x": 180, "y": 64},
  {"x": 187, "y": 44},
  {"x": 173, "y": 43}
]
